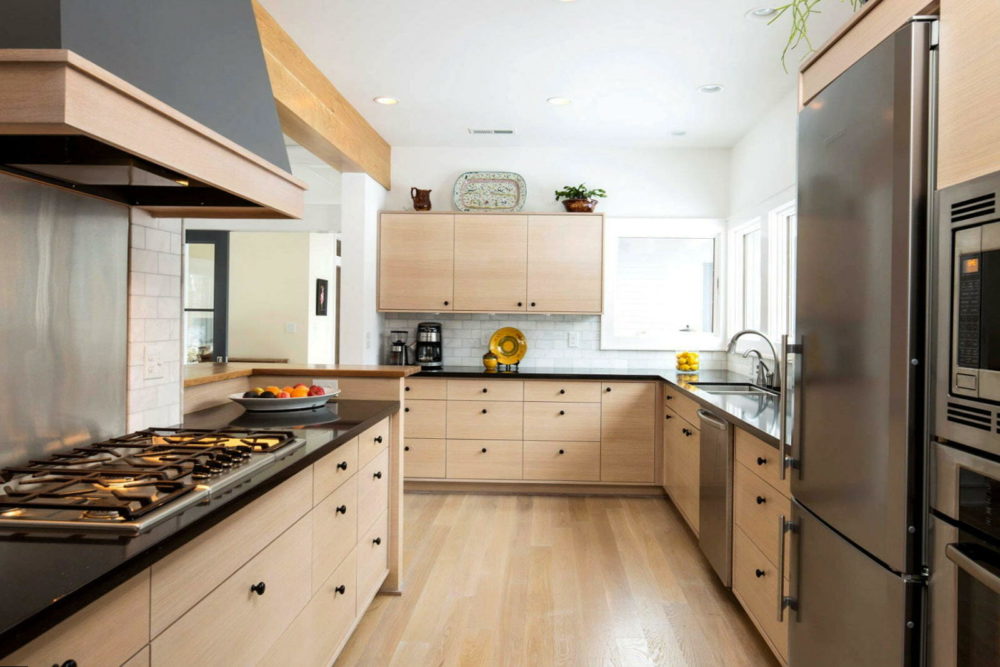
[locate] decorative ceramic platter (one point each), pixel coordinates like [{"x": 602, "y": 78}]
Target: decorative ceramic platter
[
  {"x": 490, "y": 191},
  {"x": 281, "y": 404},
  {"x": 509, "y": 344}
]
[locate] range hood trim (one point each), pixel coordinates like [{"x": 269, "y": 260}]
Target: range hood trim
[{"x": 58, "y": 92}]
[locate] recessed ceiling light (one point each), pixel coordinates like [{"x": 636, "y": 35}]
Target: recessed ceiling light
[
  {"x": 761, "y": 13},
  {"x": 559, "y": 101},
  {"x": 388, "y": 101},
  {"x": 711, "y": 88},
  {"x": 678, "y": 133}
]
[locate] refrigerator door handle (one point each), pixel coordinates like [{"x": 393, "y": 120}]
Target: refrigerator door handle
[
  {"x": 784, "y": 526},
  {"x": 783, "y": 407},
  {"x": 957, "y": 555},
  {"x": 794, "y": 458}
]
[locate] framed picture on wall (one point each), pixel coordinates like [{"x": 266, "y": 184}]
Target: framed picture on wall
[{"x": 322, "y": 296}]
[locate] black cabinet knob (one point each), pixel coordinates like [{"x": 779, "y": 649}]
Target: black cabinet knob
[
  {"x": 562, "y": 412},
  {"x": 406, "y": 409},
  {"x": 378, "y": 475},
  {"x": 484, "y": 411},
  {"x": 761, "y": 460},
  {"x": 562, "y": 391},
  {"x": 378, "y": 439},
  {"x": 67, "y": 663},
  {"x": 342, "y": 465},
  {"x": 562, "y": 451},
  {"x": 520, "y": 303},
  {"x": 532, "y": 304},
  {"x": 259, "y": 588},
  {"x": 406, "y": 389},
  {"x": 342, "y": 509},
  {"x": 406, "y": 448},
  {"x": 607, "y": 389},
  {"x": 667, "y": 417},
  {"x": 485, "y": 390},
  {"x": 759, "y": 573},
  {"x": 669, "y": 397},
  {"x": 484, "y": 450},
  {"x": 341, "y": 589},
  {"x": 446, "y": 303},
  {"x": 761, "y": 500},
  {"x": 377, "y": 541}
]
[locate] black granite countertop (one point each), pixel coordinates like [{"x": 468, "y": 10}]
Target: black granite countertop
[
  {"x": 758, "y": 415},
  {"x": 46, "y": 578}
]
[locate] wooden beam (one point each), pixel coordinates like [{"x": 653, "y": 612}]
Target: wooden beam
[{"x": 312, "y": 110}]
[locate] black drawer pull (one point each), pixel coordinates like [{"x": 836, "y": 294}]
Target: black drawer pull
[
  {"x": 406, "y": 389},
  {"x": 667, "y": 417},
  {"x": 446, "y": 303},
  {"x": 484, "y": 450},
  {"x": 562, "y": 451},
  {"x": 562, "y": 391},
  {"x": 761, "y": 500},
  {"x": 607, "y": 389},
  {"x": 68, "y": 663},
  {"x": 377, "y": 541},
  {"x": 378, "y": 439},
  {"x": 759, "y": 573},
  {"x": 342, "y": 509},
  {"x": 341, "y": 589},
  {"x": 520, "y": 303},
  {"x": 532, "y": 304},
  {"x": 761, "y": 460},
  {"x": 406, "y": 448},
  {"x": 562, "y": 412},
  {"x": 406, "y": 409},
  {"x": 342, "y": 465},
  {"x": 485, "y": 390},
  {"x": 378, "y": 475},
  {"x": 259, "y": 588},
  {"x": 669, "y": 397},
  {"x": 484, "y": 411}
]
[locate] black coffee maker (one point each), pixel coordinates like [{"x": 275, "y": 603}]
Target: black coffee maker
[{"x": 430, "y": 355}]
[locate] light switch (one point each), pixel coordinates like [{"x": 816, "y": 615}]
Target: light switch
[
  {"x": 573, "y": 339},
  {"x": 153, "y": 368},
  {"x": 291, "y": 327}
]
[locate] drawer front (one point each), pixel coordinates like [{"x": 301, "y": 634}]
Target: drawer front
[
  {"x": 568, "y": 391},
  {"x": 562, "y": 421},
  {"x": 628, "y": 411},
  {"x": 373, "y": 560},
  {"x": 566, "y": 461},
  {"x": 681, "y": 404},
  {"x": 424, "y": 458},
  {"x": 318, "y": 631},
  {"x": 125, "y": 610},
  {"x": 757, "y": 510},
  {"x": 424, "y": 388},
  {"x": 485, "y": 420},
  {"x": 216, "y": 554},
  {"x": 763, "y": 459},
  {"x": 372, "y": 442},
  {"x": 334, "y": 469},
  {"x": 235, "y": 626},
  {"x": 373, "y": 491},
  {"x": 500, "y": 460},
  {"x": 425, "y": 419},
  {"x": 759, "y": 594},
  {"x": 628, "y": 461},
  {"x": 492, "y": 390},
  {"x": 335, "y": 530}
]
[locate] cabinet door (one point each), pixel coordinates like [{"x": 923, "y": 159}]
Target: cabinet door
[
  {"x": 682, "y": 467},
  {"x": 565, "y": 255},
  {"x": 491, "y": 262},
  {"x": 627, "y": 431},
  {"x": 416, "y": 261}
]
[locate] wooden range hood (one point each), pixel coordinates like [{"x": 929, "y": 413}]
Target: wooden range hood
[{"x": 70, "y": 123}]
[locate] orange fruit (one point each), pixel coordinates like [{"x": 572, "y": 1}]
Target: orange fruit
[
  {"x": 288, "y": 388},
  {"x": 300, "y": 391},
  {"x": 274, "y": 390}
]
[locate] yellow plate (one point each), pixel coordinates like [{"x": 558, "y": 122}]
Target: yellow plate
[{"x": 509, "y": 345}]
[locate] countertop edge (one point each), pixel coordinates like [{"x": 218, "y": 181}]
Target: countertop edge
[
  {"x": 355, "y": 372},
  {"x": 34, "y": 626}
]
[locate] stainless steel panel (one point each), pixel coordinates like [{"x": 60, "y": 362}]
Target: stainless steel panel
[
  {"x": 63, "y": 326},
  {"x": 860, "y": 296},
  {"x": 942, "y": 630},
  {"x": 715, "y": 533},
  {"x": 847, "y": 609}
]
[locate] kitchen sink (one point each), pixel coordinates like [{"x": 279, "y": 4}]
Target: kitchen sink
[{"x": 742, "y": 388}]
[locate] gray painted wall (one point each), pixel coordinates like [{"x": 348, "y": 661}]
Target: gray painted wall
[{"x": 202, "y": 57}]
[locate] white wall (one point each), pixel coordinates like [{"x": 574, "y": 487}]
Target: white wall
[
  {"x": 360, "y": 325},
  {"x": 648, "y": 182},
  {"x": 322, "y": 331}
]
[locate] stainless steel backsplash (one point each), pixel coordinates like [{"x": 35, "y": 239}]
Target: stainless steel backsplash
[{"x": 63, "y": 319}]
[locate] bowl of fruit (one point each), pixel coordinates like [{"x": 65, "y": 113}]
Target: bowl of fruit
[
  {"x": 688, "y": 361},
  {"x": 281, "y": 399}
]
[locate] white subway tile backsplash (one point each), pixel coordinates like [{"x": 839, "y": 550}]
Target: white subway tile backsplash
[
  {"x": 169, "y": 265},
  {"x": 144, "y": 261},
  {"x": 158, "y": 240}
]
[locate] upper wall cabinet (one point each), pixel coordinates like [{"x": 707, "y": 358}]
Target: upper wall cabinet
[
  {"x": 416, "y": 262},
  {"x": 496, "y": 263}
]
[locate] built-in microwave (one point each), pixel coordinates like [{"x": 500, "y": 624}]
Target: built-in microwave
[{"x": 968, "y": 314}]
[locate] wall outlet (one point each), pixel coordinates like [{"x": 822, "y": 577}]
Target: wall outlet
[
  {"x": 152, "y": 364},
  {"x": 291, "y": 327},
  {"x": 573, "y": 339}
]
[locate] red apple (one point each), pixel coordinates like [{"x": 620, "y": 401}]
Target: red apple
[
  {"x": 316, "y": 390},
  {"x": 284, "y": 394}
]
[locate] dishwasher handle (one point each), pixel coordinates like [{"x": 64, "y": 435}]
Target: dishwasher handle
[{"x": 712, "y": 420}]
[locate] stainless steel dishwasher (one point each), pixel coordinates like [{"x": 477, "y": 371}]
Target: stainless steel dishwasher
[{"x": 716, "y": 494}]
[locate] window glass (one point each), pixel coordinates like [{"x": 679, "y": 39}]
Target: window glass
[
  {"x": 752, "y": 275},
  {"x": 199, "y": 288}
]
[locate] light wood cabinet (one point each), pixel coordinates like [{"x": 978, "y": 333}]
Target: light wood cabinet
[
  {"x": 333, "y": 470},
  {"x": 424, "y": 457},
  {"x": 627, "y": 431},
  {"x": 335, "y": 530},
  {"x": 562, "y": 421},
  {"x": 573, "y": 391},
  {"x": 755, "y": 585},
  {"x": 484, "y": 459},
  {"x": 417, "y": 389},
  {"x": 373, "y": 442},
  {"x": 565, "y": 263},
  {"x": 372, "y": 560},
  {"x": 485, "y": 420},
  {"x": 416, "y": 262},
  {"x": 426, "y": 419},
  {"x": 373, "y": 491},
  {"x": 758, "y": 509},
  {"x": 763, "y": 459},
  {"x": 481, "y": 390},
  {"x": 682, "y": 467},
  {"x": 560, "y": 460},
  {"x": 491, "y": 262}
]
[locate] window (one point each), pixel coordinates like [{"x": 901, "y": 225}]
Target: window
[
  {"x": 746, "y": 264},
  {"x": 782, "y": 226},
  {"x": 661, "y": 286},
  {"x": 206, "y": 285}
]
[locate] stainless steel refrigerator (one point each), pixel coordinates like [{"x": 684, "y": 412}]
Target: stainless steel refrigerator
[{"x": 858, "y": 394}]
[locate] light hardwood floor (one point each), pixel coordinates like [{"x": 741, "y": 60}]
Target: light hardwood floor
[{"x": 541, "y": 580}]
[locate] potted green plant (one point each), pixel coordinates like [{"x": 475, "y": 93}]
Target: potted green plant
[
  {"x": 800, "y": 12},
  {"x": 579, "y": 198}
]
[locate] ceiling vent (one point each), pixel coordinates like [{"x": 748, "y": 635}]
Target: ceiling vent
[{"x": 475, "y": 131}]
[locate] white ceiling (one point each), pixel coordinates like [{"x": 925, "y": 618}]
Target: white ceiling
[{"x": 631, "y": 67}]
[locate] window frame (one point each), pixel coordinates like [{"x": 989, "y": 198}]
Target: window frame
[
  {"x": 668, "y": 228},
  {"x": 736, "y": 286},
  {"x": 779, "y": 250}
]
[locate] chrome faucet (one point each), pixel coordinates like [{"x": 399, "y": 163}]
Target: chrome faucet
[{"x": 763, "y": 373}]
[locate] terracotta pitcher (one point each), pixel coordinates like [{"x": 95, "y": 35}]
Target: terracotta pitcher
[{"x": 421, "y": 199}]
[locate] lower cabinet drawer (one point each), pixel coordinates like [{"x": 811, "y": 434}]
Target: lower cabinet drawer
[
  {"x": 234, "y": 625},
  {"x": 334, "y": 469},
  {"x": 484, "y": 459},
  {"x": 562, "y": 421},
  {"x": 373, "y": 491},
  {"x": 335, "y": 530},
  {"x": 628, "y": 461},
  {"x": 373, "y": 560},
  {"x": 373, "y": 441},
  {"x": 485, "y": 420},
  {"x": 755, "y": 583},
  {"x": 424, "y": 457},
  {"x": 762, "y": 459},
  {"x": 757, "y": 510},
  {"x": 566, "y": 461},
  {"x": 424, "y": 419},
  {"x": 319, "y": 630},
  {"x": 120, "y": 619},
  {"x": 562, "y": 390}
]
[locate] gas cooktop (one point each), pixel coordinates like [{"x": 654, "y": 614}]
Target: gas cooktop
[{"x": 129, "y": 484}]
